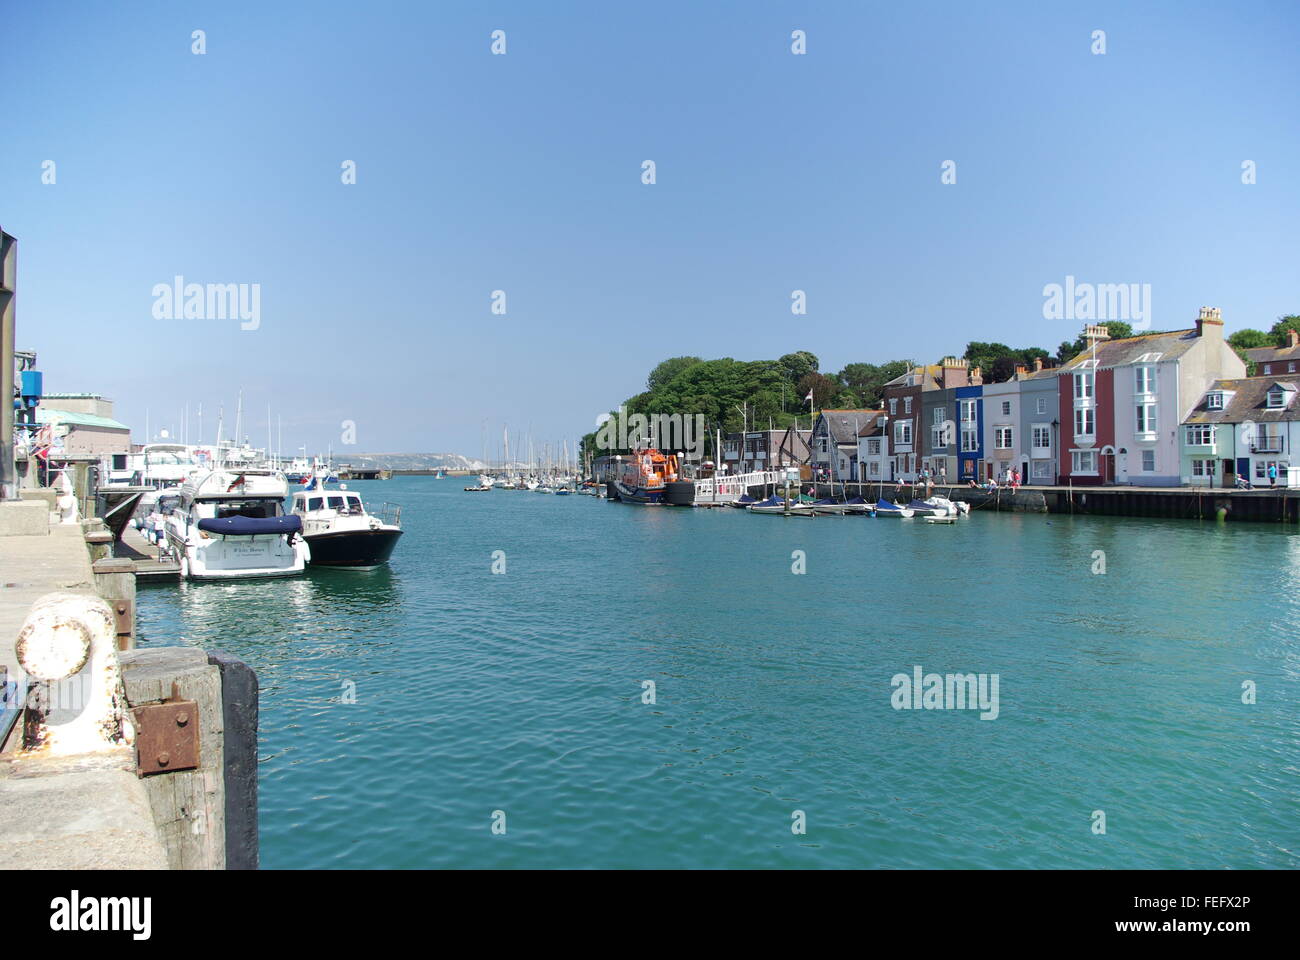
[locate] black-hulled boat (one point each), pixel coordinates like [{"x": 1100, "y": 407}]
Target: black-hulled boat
[{"x": 341, "y": 532}]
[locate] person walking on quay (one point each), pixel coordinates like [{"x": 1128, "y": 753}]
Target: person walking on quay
[{"x": 1272, "y": 474}]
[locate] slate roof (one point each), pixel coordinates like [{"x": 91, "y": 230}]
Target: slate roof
[
  {"x": 931, "y": 376},
  {"x": 1248, "y": 402},
  {"x": 844, "y": 425},
  {"x": 1273, "y": 354},
  {"x": 1118, "y": 353}
]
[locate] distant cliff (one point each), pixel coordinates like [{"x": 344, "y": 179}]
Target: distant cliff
[{"x": 410, "y": 461}]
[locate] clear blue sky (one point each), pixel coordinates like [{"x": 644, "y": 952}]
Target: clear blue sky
[{"x": 522, "y": 173}]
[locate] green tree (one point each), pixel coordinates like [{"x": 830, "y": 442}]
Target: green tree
[
  {"x": 668, "y": 369},
  {"x": 1248, "y": 339},
  {"x": 1279, "y": 330},
  {"x": 823, "y": 389},
  {"x": 799, "y": 364}
]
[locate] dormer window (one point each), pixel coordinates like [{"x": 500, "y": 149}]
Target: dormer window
[
  {"x": 1214, "y": 401},
  {"x": 1277, "y": 398}
]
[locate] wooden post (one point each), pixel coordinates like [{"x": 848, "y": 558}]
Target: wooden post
[{"x": 115, "y": 582}]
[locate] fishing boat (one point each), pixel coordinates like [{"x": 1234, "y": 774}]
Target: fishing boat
[
  {"x": 778, "y": 506},
  {"x": 886, "y": 509},
  {"x": 925, "y": 508},
  {"x": 341, "y": 532},
  {"x": 477, "y": 489},
  {"x": 644, "y": 476},
  {"x": 231, "y": 524}
]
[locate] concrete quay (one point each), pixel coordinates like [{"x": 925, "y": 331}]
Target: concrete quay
[{"x": 114, "y": 758}]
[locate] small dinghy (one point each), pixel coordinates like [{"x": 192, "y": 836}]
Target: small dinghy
[
  {"x": 886, "y": 509},
  {"x": 859, "y": 506},
  {"x": 744, "y": 500},
  {"x": 940, "y": 519},
  {"x": 776, "y": 506}
]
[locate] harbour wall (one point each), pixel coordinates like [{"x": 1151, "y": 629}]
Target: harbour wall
[
  {"x": 1183, "y": 503},
  {"x": 166, "y": 774}
]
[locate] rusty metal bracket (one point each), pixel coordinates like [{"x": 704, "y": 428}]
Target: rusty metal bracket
[
  {"x": 166, "y": 735},
  {"x": 123, "y": 614}
]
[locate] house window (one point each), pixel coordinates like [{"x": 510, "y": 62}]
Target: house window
[
  {"x": 1006, "y": 408},
  {"x": 893, "y": 406},
  {"x": 1148, "y": 461},
  {"x": 1083, "y": 386},
  {"x": 1214, "y": 401},
  {"x": 1200, "y": 435},
  {"x": 1041, "y": 469},
  {"x": 1042, "y": 404},
  {"x": 1042, "y": 436},
  {"x": 1268, "y": 368},
  {"x": 873, "y": 448},
  {"x": 1002, "y": 438},
  {"x": 968, "y": 411},
  {"x": 1145, "y": 377},
  {"x": 1146, "y": 418},
  {"x": 907, "y": 404},
  {"x": 970, "y": 442},
  {"x": 1083, "y": 461},
  {"x": 937, "y": 418},
  {"x": 875, "y": 468},
  {"x": 903, "y": 432},
  {"x": 1084, "y": 422},
  {"x": 1290, "y": 368}
]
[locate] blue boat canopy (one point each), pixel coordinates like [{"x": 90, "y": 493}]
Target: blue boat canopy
[{"x": 251, "y": 526}]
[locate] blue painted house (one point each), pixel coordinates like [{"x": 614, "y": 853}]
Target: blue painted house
[{"x": 969, "y": 418}]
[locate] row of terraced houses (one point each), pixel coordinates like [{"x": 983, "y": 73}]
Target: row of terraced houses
[{"x": 1160, "y": 409}]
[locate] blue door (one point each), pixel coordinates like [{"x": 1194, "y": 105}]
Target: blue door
[{"x": 1243, "y": 468}]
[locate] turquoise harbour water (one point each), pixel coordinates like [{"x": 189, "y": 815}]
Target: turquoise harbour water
[{"x": 522, "y": 692}]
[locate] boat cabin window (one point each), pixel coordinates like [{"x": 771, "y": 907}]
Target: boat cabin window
[{"x": 257, "y": 509}]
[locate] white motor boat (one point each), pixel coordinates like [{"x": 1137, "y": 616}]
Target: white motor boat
[{"x": 230, "y": 523}]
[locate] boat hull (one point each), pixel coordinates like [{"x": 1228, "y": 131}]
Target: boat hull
[
  {"x": 638, "y": 494},
  {"x": 357, "y": 549}
]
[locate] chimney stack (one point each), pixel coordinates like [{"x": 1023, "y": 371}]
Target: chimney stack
[
  {"x": 954, "y": 372},
  {"x": 1094, "y": 333},
  {"x": 1292, "y": 338},
  {"x": 975, "y": 378},
  {"x": 1021, "y": 370},
  {"x": 1038, "y": 364},
  {"x": 1210, "y": 323}
]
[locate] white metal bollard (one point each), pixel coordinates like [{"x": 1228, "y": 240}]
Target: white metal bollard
[{"x": 69, "y": 641}]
